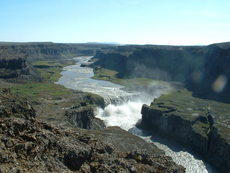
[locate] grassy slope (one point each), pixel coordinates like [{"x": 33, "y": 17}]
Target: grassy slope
[
  {"x": 183, "y": 104},
  {"x": 111, "y": 75},
  {"x": 49, "y": 73},
  {"x": 52, "y": 100}
]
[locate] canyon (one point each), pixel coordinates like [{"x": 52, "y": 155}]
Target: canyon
[{"x": 194, "y": 114}]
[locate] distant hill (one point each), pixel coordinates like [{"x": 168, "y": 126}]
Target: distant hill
[{"x": 43, "y": 50}]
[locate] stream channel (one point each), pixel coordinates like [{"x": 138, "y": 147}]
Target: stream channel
[{"x": 124, "y": 110}]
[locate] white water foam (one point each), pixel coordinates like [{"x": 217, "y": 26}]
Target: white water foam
[
  {"x": 178, "y": 153},
  {"x": 128, "y": 112},
  {"x": 125, "y": 115},
  {"x": 80, "y": 78}
]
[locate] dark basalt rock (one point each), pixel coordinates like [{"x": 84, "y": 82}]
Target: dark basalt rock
[
  {"x": 156, "y": 62},
  {"x": 198, "y": 67},
  {"x": 13, "y": 106},
  {"x": 29, "y": 145},
  {"x": 74, "y": 160},
  {"x": 183, "y": 119},
  {"x": 215, "y": 67},
  {"x": 83, "y": 117},
  {"x": 12, "y": 68},
  {"x": 49, "y": 50},
  {"x": 16, "y": 57}
]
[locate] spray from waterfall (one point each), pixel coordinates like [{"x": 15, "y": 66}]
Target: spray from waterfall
[
  {"x": 126, "y": 114},
  {"x": 123, "y": 108}
]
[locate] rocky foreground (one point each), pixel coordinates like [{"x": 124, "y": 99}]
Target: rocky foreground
[
  {"x": 201, "y": 125},
  {"x": 31, "y": 145}
]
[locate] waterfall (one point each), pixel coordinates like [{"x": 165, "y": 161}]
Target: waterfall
[{"x": 124, "y": 109}]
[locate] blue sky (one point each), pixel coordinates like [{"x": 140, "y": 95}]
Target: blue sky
[{"x": 175, "y": 22}]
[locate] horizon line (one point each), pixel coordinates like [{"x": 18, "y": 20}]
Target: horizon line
[{"x": 107, "y": 43}]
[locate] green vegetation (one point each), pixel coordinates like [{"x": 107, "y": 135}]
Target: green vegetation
[
  {"x": 183, "y": 104},
  {"x": 188, "y": 106},
  {"x": 49, "y": 71},
  {"x": 111, "y": 75},
  {"x": 36, "y": 90},
  {"x": 201, "y": 128}
]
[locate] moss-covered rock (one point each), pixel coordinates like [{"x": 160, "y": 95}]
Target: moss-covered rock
[
  {"x": 13, "y": 106},
  {"x": 203, "y": 69},
  {"x": 30, "y": 145},
  {"x": 82, "y": 116},
  {"x": 13, "y": 67},
  {"x": 201, "y": 125}
]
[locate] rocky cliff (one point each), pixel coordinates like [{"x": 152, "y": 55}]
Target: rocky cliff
[
  {"x": 49, "y": 50},
  {"x": 14, "y": 57},
  {"x": 203, "y": 126},
  {"x": 212, "y": 81},
  {"x": 157, "y": 62},
  {"x": 31, "y": 145},
  {"x": 203, "y": 69},
  {"x": 13, "y": 67},
  {"x": 82, "y": 116}
]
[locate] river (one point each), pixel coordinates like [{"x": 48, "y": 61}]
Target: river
[{"x": 124, "y": 110}]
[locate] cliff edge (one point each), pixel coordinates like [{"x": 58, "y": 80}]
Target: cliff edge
[
  {"x": 13, "y": 67},
  {"x": 201, "y": 125},
  {"x": 31, "y": 145}
]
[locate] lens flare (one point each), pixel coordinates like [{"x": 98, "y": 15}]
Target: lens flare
[{"x": 220, "y": 83}]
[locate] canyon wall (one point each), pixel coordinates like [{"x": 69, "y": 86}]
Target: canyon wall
[
  {"x": 200, "y": 68},
  {"x": 201, "y": 126},
  {"x": 48, "y": 50},
  {"x": 31, "y": 145},
  {"x": 13, "y": 67},
  {"x": 14, "y": 57}
]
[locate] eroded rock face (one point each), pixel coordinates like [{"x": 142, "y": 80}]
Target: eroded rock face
[
  {"x": 49, "y": 50},
  {"x": 13, "y": 106},
  {"x": 13, "y": 67},
  {"x": 203, "y": 69},
  {"x": 82, "y": 116},
  {"x": 153, "y": 61},
  {"x": 40, "y": 147},
  {"x": 184, "y": 119},
  {"x": 214, "y": 78},
  {"x": 29, "y": 145}
]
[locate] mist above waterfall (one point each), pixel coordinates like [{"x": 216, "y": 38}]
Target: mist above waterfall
[
  {"x": 141, "y": 70},
  {"x": 124, "y": 107},
  {"x": 126, "y": 114}
]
